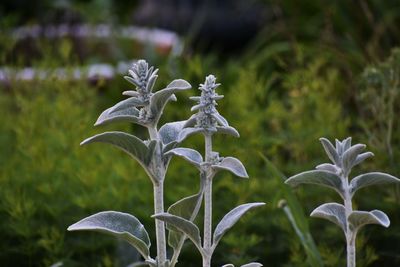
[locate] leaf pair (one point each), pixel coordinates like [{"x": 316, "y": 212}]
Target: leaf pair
[
  {"x": 192, "y": 231},
  {"x": 333, "y": 181},
  {"x": 231, "y": 164},
  {"x": 336, "y": 213},
  {"x": 191, "y": 127}
]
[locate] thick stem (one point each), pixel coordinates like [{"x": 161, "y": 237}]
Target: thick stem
[
  {"x": 351, "y": 252},
  {"x": 160, "y": 226},
  {"x": 208, "y": 205},
  {"x": 350, "y": 237}
]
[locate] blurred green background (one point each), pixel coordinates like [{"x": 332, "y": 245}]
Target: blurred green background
[{"x": 291, "y": 72}]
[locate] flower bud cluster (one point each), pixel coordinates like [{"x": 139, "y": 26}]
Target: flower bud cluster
[
  {"x": 207, "y": 116},
  {"x": 140, "y": 74}
]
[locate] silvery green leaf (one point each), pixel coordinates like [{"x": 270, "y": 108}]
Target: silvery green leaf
[
  {"x": 160, "y": 98},
  {"x": 333, "y": 212},
  {"x": 191, "y": 122},
  {"x": 233, "y": 165},
  {"x": 252, "y": 264},
  {"x": 132, "y": 80},
  {"x": 118, "y": 224},
  {"x": 360, "y": 158},
  {"x": 317, "y": 177},
  {"x": 127, "y": 104},
  {"x": 127, "y": 115},
  {"x": 346, "y": 143},
  {"x": 228, "y": 265},
  {"x": 350, "y": 155},
  {"x": 183, "y": 225},
  {"x": 339, "y": 147},
  {"x": 330, "y": 150},
  {"x": 196, "y": 107},
  {"x": 358, "y": 219},
  {"x": 372, "y": 178},
  {"x": 328, "y": 167},
  {"x": 230, "y": 219},
  {"x": 220, "y": 119},
  {"x": 186, "y": 132},
  {"x": 186, "y": 208},
  {"x": 132, "y": 93},
  {"x": 151, "y": 81},
  {"x": 188, "y": 154},
  {"x": 169, "y": 132},
  {"x": 126, "y": 142},
  {"x": 228, "y": 130}
]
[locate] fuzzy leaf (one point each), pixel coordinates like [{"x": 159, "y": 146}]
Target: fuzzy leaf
[
  {"x": 328, "y": 167},
  {"x": 360, "y": 158},
  {"x": 372, "y": 178},
  {"x": 330, "y": 150},
  {"x": 228, "y": 130},
  {"x": 126, "y": 142},
  {"x": 358, "y": 219},
  {"x": 317, "y": 177},
  {"x": 186, "y": 132},
  {"x": 351, "y": 154},
  {"x": 160, "y": 98},
  {"x": 132, "y": 81},
  {"x": 231, "y": 218},
  {"x": 220, "y": 119},
  {"x": 188, "y": 154},
  {"x": 333, "y": 212},
  {"x": 252, "y": 264},
  {"x": 126, "y": 115},
  {"x": 191, "y": 122},
  {"x": 132, "y": 93},
  {"x": 346, "y": 143},
  {"x": 169, "y": 132},
  {"x": 186, "y": 208},
  {"x": 339, "y": 147},
  {"x": 233, "y": 165},
  {"x": 127, "y": 104},
  {"x": 118, "y": 224},
  {"x": 151, "y": 81},
  {"x": 183, "y": 225}
]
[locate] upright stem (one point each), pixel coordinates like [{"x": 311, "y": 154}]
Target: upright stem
[
  {"x": 160, "y": 227},
  {"x": 207, "y": 205},
  {"x": 350, "y": 237},
  {"x": 158, "y": 187}
]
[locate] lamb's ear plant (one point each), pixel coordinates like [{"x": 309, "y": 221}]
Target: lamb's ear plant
[
  {"x": 344, "y": 157},
  {"x": 143, "y": 107},
  {"x": 207, "y": 121}
]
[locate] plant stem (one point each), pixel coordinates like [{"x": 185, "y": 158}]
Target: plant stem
[
  {"x": 158, "y": 187},
  {"x": 160, "y": 226},
  {"x": 208, "y": 204},
  {"x": 350, "y": 237}
]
